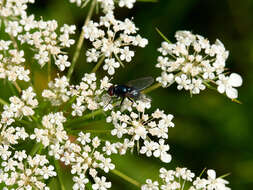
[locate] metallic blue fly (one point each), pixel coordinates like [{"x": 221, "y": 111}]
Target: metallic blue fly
[{"x": 131, "y": 90}]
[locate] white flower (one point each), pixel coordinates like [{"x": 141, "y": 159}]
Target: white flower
[
  {"x": 183, "y": 82},
  {"x": 226, "y": 84},
  {"x": 148, "y": 148},
  {"x": 106, "y": 165},
  {"x": 84, "y": 138},
  {"x": 126, "y": 54},
  {"x": 62, "y": 62},
  {"x": 128, "y": 3},
  {"x": 120, "y": 130},
  {"x": 13, "y": 28},
  {"x": 109, "y": 148},
  {"x": 58, "y": 92},
  {"x": 161, "y": 151},
  {"x": 110, "y": 64},
  {"x": 184, "y": 173},
  {"x": 167, "y": 175},
  {"x": 216, "y": 183},
  {"x": 80, "y": 182},
  {"x": 101, "y": 184},
  {"x": 150, "y": 185}
]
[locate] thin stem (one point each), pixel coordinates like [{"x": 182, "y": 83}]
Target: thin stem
[
  {"x": 202, "y": 172},
  {"x": 127, "y": 178},
  {"x": 162, "y": 35},
  {"x": 98, "y": 64},
  {"x": 80, "y": 40},
  {"x": 58, "y": 168},
  {"x": 17, "y": 87},
  {"x": 14, "y": 42},
  {"x": 151, "y": 88},
  {"x": 3, "y": 102},
  {"x": 49, "y": 69},
  {"x": 87, "y": 116}
]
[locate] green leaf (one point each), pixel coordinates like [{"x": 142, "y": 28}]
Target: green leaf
[{"x": 59, "y": 174}]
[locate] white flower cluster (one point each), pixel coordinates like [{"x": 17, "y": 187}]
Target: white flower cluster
[
  {"x": 10, "y": 136},
  {"x": 193, "y": 63},
  {"x": 86, "y": 159},
  {"x": 141, "y": 126},
  {"x": 53, "y": 131},
  {"x": 11, "y": 63},
  {"x": 13, "y": 8},
  {"x": 41, "y": 35},
  {"x": 48, "y": 43},
  {"x": 23, "y": 171},
  {"x": 58, "y": 91},
  {"x": 176, "y": 180},
  {"x": 19, "y": 107},
  {"x": 89, "y": 95},
  {"x": 84, "y": 155},
  {"x": 111, "y": 39},
  {"x": 106, "y": 5}
]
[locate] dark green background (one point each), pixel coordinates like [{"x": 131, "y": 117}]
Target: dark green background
[{"x": 211, "y": 131}]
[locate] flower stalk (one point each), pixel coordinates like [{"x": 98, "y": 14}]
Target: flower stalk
[
  {"x": 80, "y": 40},
  {"x": 126, "y": 178},
  {"x": 98, "y": 64},
  {"x": 151, "y": 88}
]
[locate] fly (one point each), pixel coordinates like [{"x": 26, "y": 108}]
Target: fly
[{"x": 131, "y": 90}]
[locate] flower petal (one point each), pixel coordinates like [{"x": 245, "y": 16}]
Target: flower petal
[
  {"x": 221, "y": 88},
  {"x": 231, "y": 93},
  {"x": 235, "y": 80},
  {"x": 211, "y": 174}
]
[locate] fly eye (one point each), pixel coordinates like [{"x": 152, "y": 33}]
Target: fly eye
[{"x": 111, "y": 91}]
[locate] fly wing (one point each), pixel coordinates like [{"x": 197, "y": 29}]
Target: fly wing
[{"x": 141, "y": 83}]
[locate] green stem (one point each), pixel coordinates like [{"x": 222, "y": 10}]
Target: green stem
[
  {"x": 58, "y": 170},
  {"x": 17, "y": 87},
  {"x": 127, "y": 178},
  {"x": 80, "y": 41},
  {"x": 87, "y": 116},
  {"x": 163, "y": 36},
  {"x": 49, "y": 69},
  {"x": 151, "y": 88},
  {"x": 98, "y": 64},
  {"x": 3, "y": 102},
  {"x": 14, "y": 41}
]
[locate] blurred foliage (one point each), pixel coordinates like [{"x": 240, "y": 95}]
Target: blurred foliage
[{"x": 211, "y": 131}]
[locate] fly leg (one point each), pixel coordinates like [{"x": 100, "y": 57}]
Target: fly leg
[
  {"x": 110, "y": 101},
  {"x": 130, "y": 100},
  {"x": 122, "y": 101}
]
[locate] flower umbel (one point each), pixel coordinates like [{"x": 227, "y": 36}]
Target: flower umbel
[{"x": 194, "y": 64}]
